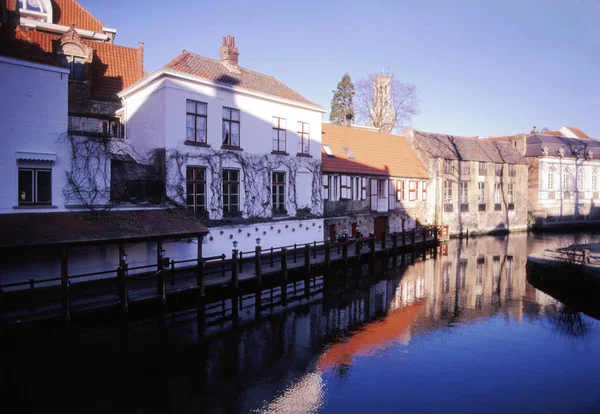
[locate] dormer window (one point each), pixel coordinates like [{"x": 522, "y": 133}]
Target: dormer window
[
  {"x": 328, "y": 151},
  {"x": 36, "y": 9},
  {"x": 348, "y": 153},
  {"x": 75, "y": 65}
]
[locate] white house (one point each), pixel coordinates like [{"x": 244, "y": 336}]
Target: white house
[
  {"x": 239, "y": 146},
  {"x": 33, "y": 118}
]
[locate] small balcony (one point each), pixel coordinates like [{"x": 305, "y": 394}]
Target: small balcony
[{"x": 96, "y": 127}]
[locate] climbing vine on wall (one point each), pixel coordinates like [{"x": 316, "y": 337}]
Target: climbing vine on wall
[{"x": 255, "y": 182}]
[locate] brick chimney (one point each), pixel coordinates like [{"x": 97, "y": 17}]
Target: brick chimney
[
  {"x": 534, "y": 130},
  {"x": 229, "y": 53}
]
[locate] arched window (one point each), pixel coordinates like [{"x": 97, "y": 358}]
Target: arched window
[
  {"x": 36, "y": 9},
  {"x": 581, "y": 179},
  {"x": 595, "y": 180},
  {"x": 551, "y": 178},
  {"x": 566, "y": 180}
]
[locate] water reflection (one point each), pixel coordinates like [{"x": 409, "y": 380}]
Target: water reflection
[{"x": 433, "y": 325}]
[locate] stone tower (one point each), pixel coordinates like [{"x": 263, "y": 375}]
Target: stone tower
[{"x": 382, "y": 113}]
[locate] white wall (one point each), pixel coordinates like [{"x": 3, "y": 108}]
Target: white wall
[{"x": 33, "y": 117}]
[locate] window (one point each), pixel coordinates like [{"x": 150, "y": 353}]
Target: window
[
  {"x": 75, "y": 65},
  {"x": 465, "y": 168},
  {"x": 567, "y": 180},
  {"x": 498, "y": 169},
  {"x": 231, "y": 193},
  {"x": 304, "y": 139},
  {"x": 511, "y": 196},
  {"x": 412, "y": 190},
  {"x": 481, "y": 196},
  {"x": 35, "y": 186},
  {"x": 278, "y": 192},
  {"x": 480, "y": 265},
  {"x": 363, "y": 195},
  {"x": 36, "y": 9},
  {"x": 581, "y": 179},
  {"x": 328, "y": 151},
  {"x": 399, "y": 190},
  {"x": 482, "y": 168},
  {"x": 196, "y": 189},
  {"x": 356, "y": 188},
  {"x": 346, "y": 187},
  {"x": 348, "y": 153},
  {"x": 448, "y": 167},
  {"x": 464, "y": 196},
  {"x": 551, "y": 178},
  {"x": 461, "y": 283},
  {"x": 334, "y": 187},
  {"x": 424, "y": 190},
  {"x": 195, "y": 122},
  {"x": 595, "y": 180},
  {"x": 380, "y": 188},
  {"x": 497, "y": 196},
  {"x": 279, "y": 134},
  {"x": 231, "y": 127},
  {"x": 325, "y": 182},
  {"x": 448, "y": 196},
  {"x": 512, "y": 170}
]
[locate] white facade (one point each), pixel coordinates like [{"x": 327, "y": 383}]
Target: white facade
[
  {"x": 568, "y": 188},
  {"x": 279, "y": 178},
  {"x": 33, "y": 125}
]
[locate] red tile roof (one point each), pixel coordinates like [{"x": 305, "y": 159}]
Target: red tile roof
[
  {"x": 578, "y": 132},
  {"x": 113, "y": 68},
  {"x": 214, "y": 70},
  {"x": 374, "y": 153},
  {"x": 68, "y": 12}
]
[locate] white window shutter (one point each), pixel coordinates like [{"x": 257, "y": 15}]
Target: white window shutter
[
  {"x": 363, "y": 188},
  {"x": 374, "y": 195},
  {"x": 391, "y": 195},
  {"x": 325, "y": 187}
]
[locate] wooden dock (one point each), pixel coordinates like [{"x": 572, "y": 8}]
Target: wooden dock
[{"x": 194, "y": 283}]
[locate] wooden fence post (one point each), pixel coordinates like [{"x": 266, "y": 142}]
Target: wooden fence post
[
  {"x": 64, "y": 281},
  {"x": 284, "y": 266},
  {"x": 200, "y": 277},
  {"x": 327, "y": 255},
  {"x": 162, "y": 287},
  {"x": 372, "y": 244},
  {"x": 241, "y": 261},
  {"x": 234, "y": 269},
  {"x": 257, "y": 264},
  {"x": 413, "y": 236},
  {"x": 383, "y": 237},
  {"x": 395, "y": 243},
  {"x": 403, "y": 237},
  {"x": 123, "y": 292},
  {"x": 307, "y": 270},
  {"x": 424, "y": 235},
  {"x": 345, "y": 253},
  {"x": 284, "y": 263}
]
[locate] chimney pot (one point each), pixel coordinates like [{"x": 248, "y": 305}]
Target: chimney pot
[{"x": 229, "y": 53}]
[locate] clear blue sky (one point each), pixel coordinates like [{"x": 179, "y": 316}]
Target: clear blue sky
[{"x": 481, "y": 67}]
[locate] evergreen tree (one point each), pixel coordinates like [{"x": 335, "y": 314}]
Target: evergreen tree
[{"x": 342, "y": 105}]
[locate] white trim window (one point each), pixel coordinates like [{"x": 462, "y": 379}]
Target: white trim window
[
  {"x": 279, "y": 134},
  {"x": 551, "y": 184},
  {"x": 35, "y": 186},
  {"x": 278, "y": 192},
  {"x": 412, "y": 190},
  {"x": 595, "y": 179},
  {"x": 566, "y": 185},
  {"x": 195, "y": 121},
  {"x": 304, "y": 138},
  {"x": 581, "y": 176}
]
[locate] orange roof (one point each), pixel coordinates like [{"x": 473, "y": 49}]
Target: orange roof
[
  {"x": 374, "y": 153},
  {"x": 68, "y": 12},
  {"x": 374, "y": 336},
  {"x": 113, "y": 68},
  {"x": 579, "y": 133},
  {"x": 212, "y": 69}
]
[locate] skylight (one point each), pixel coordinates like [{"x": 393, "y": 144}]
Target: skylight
[
  {"x": 328, "y": 151},
  {"x": 349, "y": 153}
]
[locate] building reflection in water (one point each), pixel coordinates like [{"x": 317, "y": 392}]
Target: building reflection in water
[{"x": 467, "y": 282}]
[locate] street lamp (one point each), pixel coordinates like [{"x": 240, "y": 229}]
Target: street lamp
[
  {"x": 258, "y": 241},
  {"x": 124, "y": 257},
  {"x": 162, "y": 253},
  {"x": 235, "y": 243}
]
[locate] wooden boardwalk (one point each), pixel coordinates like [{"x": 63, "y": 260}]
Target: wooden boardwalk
[{"x": 200, "y": 281}]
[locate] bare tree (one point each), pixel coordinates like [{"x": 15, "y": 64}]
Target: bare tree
[{"x": 384, "y": 102}]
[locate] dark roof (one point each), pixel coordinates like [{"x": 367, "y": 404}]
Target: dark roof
[
  {"x": 572, "y": 147},
  {"x": 214, "y": 70},
  {"x": 374, "y": 153},
  {"x": 35, "y": 229},
  {"x": 467, "y": 149}
]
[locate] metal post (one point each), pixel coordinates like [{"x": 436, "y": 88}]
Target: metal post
[
  {"x": 200, "y": 277},
  {"x": 223, "y": 265},
  {"x": 162, "y": 287},
  {"x": 123, "y": 292},
  {"x": 64, "y": 281},
  {"x": 345, "y": 253},
  {"x": 284, "y": 266},
  {"x": 295, "y": 249},
  {"x": 327, "y": 255},
  {"x": 172, "y": 272},
  {"x": 234, "y": 269},
  {"x": 240, "y": 262},
  {"x": 272, "y": 264},
  {"x": 307, "y": 269}
]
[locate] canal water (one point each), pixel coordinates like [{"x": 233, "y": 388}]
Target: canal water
[{"x": 461, "y": 332}]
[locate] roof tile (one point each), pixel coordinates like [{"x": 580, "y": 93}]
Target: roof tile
[{"x": 374, "y": 153}]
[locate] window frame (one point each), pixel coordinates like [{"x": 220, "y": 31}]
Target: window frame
[
  {"x": 34, "y": 186},
  {"x": 230, "y": 122},
  {"x": 481, "y": 196},
  {"x": 302, "y": 136},
  {"x": 424, "y": 190},
  {"x": 278, "y": 188},
  {"x": 195, "y": 183},
  {"x": 279, "y": 130},
  {"x": 412, "y": 190},
  {"x": 196, "y": 115},
  {"x": 230, "y": 183},
  {"x": 482, "y": 169}
]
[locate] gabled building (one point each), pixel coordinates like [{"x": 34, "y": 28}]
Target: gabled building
[
  {"x": 372, "y": 182},
  {"x": 476, "y": 185},
  {"x": 65, "y": 36},
  {"x": 240, "y": 146}
]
